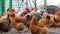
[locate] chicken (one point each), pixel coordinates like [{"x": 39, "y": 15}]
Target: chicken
[
  {"x": 57, "y": 15},
  {"x": 5, "y": 14},
  {"x": 44, "y": 24},
  {"x": 53, "y": 21},
  {"x": 26, "y": 11},
  {"x": 5, "y": 24},
  {"x": 14, "y": 24},
  {"x": 34, "y": 28},
  {"x": 41, "y": 26},
  {"x": 18, "y": 19},
  {"x": 18, "y": 26},
  {"x": 12, "y": 12}
]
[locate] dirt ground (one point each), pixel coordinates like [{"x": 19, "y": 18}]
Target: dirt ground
[{"x": 26, "y": 31}]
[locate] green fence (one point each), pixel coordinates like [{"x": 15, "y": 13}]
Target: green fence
[
  {"x": 10, "y": 3},
  {"x": 2, "y": 6}
]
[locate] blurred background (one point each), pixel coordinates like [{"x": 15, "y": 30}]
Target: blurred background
[{"x": 20, "y": 5}]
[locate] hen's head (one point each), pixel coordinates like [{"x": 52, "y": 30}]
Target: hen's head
[
  {"x": 34, "y": 20},
  {"x": 13, "y": 13}
]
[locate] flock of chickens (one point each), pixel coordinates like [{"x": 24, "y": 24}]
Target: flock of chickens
[{"x": 10, "y": 19}]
